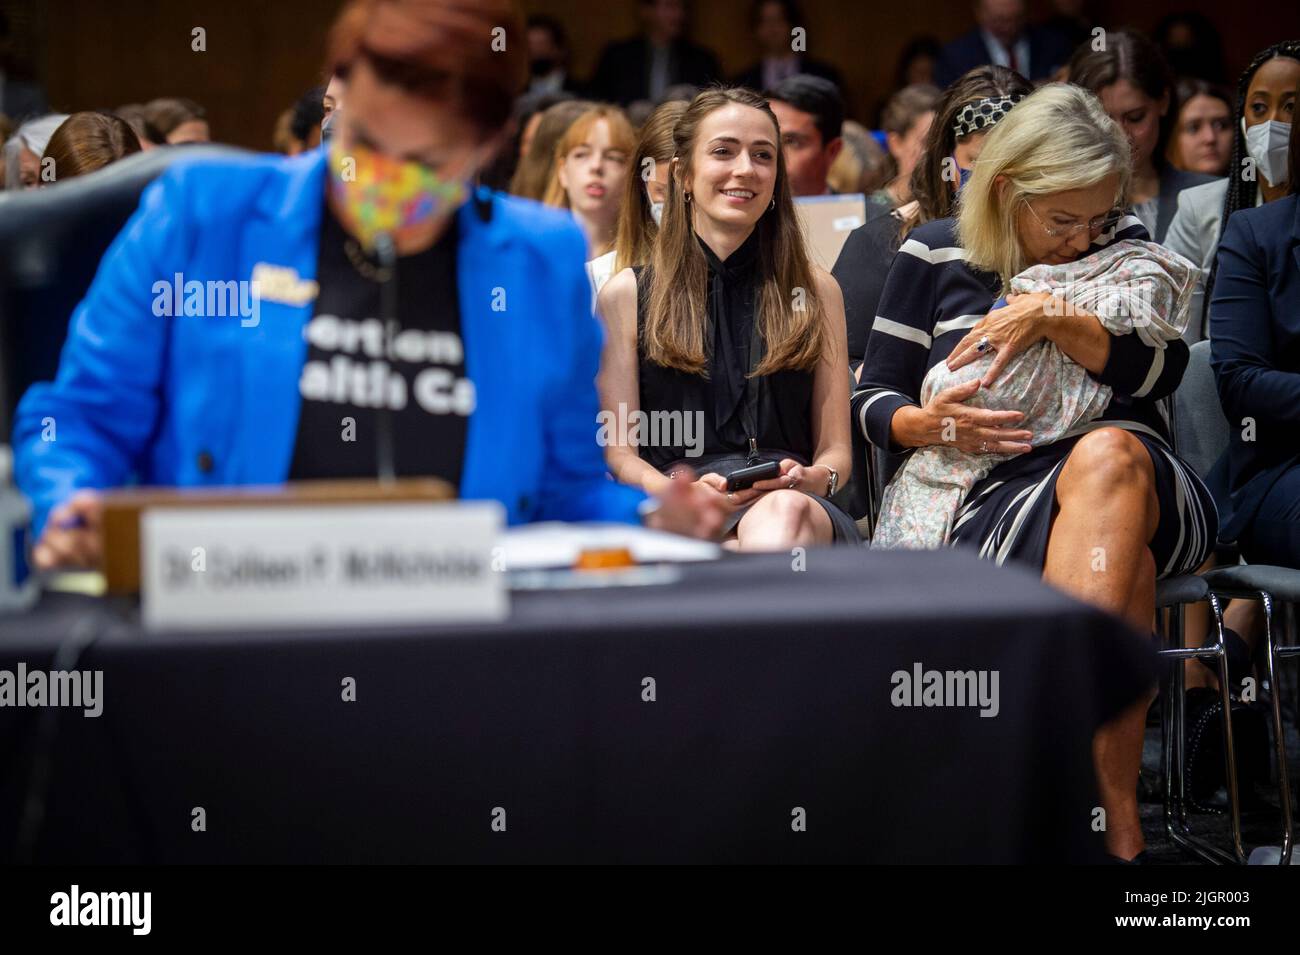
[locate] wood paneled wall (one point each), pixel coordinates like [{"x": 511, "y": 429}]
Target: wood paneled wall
[{"x": 261, "y": 54}]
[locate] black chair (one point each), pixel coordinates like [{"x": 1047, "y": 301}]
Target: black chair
[
  {"x": 1200, "y": 436},
  {"x": 1272, "y": 586},
  {"x": 51, "y": 241}
]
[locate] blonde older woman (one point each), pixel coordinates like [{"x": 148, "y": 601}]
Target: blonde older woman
[{"x": 1105, "y": 510}]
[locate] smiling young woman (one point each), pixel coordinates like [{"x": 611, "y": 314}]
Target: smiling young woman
[{"x": 731, "y": 323}]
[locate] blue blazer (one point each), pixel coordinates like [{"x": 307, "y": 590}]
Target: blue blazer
[
  {"x": 202, "y": 401},
  {"x": 1255, "y": 351}
]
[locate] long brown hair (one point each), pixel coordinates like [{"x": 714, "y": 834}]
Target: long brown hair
[
  {"x": 674, "y": 335},
  {"x": 636, "y": 226},
  {"x": 931, "y": 180},
  {"x": 1132, "y": 56}
]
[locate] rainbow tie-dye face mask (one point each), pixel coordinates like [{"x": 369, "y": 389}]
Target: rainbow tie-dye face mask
[{"x": 377, "y": 194}]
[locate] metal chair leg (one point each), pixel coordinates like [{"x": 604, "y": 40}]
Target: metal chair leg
[
  {"x": 1229, "y": 743},
  {"x": 1283, "y": 776},
  {"x": 1176, "y": 823},
  {"x": 1170, "y": 688}
]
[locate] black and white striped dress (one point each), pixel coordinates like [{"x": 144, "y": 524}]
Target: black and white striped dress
[{"x": 931, "y": 299}]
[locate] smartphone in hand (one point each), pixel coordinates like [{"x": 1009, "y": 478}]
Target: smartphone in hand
[{"x": 747, "y": 476}]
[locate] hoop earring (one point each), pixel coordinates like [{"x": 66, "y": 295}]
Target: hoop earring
[
  {"x": 772, "y": 205},
  {"x": 688, "y": 197}
]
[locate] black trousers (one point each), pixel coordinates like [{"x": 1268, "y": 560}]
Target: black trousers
[{"x": 1273, "y": 537}]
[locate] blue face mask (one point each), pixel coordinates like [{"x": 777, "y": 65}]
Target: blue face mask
[{"x": 963, "y": 175}]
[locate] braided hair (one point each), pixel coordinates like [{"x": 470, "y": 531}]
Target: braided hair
[{"x": 1241, "y": 192}]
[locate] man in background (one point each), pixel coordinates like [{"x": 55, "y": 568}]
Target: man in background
[
  {"x": 644, "y": 67},
  {"x": 773, "y": 23},
  {"x": 811, "y": 114},
  {"x": 548, "y": 56},
  {"x": 1002, "y": 36}
]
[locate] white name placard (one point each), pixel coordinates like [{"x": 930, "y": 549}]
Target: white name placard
[{"x": 320, "y": 565}]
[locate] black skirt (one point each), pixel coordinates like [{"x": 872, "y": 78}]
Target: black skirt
[
  {"x": 844, "y": 527},
  {"x": 1008, "y": 514}
]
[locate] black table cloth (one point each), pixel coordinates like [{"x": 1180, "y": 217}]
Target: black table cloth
[{"x": 772, "y": 705}]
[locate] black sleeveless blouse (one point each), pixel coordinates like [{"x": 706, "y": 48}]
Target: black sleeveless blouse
[{"x": 783, "y": 414}]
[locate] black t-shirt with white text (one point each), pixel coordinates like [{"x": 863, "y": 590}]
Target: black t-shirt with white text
[{"x": 416, "y": 367}]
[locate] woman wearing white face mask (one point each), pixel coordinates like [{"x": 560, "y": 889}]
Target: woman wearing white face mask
[
  {"x": 643, "y": 196},
  {"x": 1257, "y": 171}
]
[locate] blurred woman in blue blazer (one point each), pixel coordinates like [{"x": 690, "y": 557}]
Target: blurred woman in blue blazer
[
  {"x": 1255, "y": 349},
  {"x": 237, "y": 331}
]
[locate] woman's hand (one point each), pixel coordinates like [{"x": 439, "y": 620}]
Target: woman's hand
[
  {"x": 732, "y": 499},
  {"x": 690, "y": 507},
  {"x": 950, "y": 421},
  {"x": 814, "y": 479},
  {"x": 1018, "y": 325},
  {"x": 73, "y": 535}
]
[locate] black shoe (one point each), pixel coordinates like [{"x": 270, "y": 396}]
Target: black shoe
[
  {"x": 1204, "y": 751},
  {"x": 1239, "y": 662}
]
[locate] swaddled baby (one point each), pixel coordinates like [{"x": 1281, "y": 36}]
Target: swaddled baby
[{"x": 1132, "y": 287}]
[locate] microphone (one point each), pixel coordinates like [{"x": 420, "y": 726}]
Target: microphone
[{"x": 386, "y": 252}]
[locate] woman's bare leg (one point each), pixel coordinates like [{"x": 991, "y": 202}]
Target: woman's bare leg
[
  {"x": 1097, "y": 551},
  {"x": 780, "y": 520}
]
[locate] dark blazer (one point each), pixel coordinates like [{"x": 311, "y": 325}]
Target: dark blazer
[
  {"x": 753, "y": 77},
  {"x": 623, "y": 73},
  {"x": 1172, "y": 182},
  {"x": 1048, "y": 49},
  {"x": 861, "y": 270},
  {"x": 1255, "y": 352}
]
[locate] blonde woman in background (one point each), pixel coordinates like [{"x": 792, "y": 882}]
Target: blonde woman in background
[
  {"x": 591, "y": 172},
  {"x": 862, "y": 166}
]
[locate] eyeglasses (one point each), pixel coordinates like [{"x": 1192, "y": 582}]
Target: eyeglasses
[{"x": 1094, "y": 227}]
